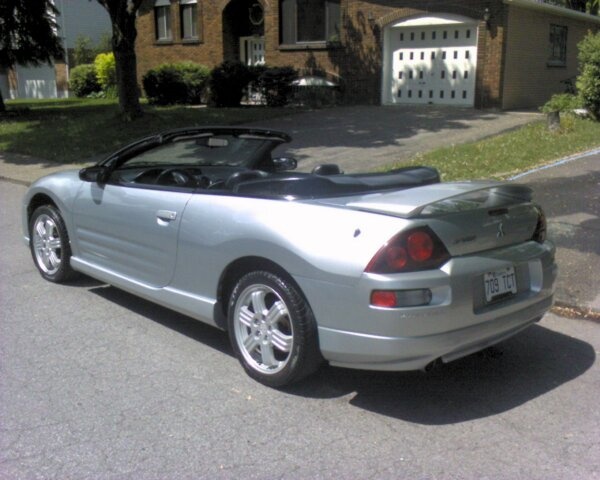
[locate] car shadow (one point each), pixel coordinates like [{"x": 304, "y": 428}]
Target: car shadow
[
  {"x": 490, "y": 382},
  {"x": 191, "y": 328},
  {"x": 487, "y": 383}
]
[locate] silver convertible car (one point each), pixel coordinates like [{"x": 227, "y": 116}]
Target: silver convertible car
[{"x": 380, "y": 271}]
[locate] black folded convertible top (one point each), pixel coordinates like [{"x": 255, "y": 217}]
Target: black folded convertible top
[{"x": 300, "y": 186}]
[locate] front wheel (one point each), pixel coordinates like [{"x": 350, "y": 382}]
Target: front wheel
[
  {"x": 49, "y": 243},
  {"x": 272, "y": 329}
]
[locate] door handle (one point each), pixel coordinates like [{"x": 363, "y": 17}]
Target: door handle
[{"x": 166, "y": 215}]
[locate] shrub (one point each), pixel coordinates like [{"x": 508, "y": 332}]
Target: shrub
[
  {"x": 195, "y": 78},
  {"x": 176, "y": 83},
  {"x": 164, "y": 85},
  {"x": 588, "y": 82},
  {"x": 106, "y": 71},
  {"x": 228, "y": 82},
  {"x": 562, "y": 102},
  {"x": 276, "y": 84},
  {"x": 83, "y": 81}
]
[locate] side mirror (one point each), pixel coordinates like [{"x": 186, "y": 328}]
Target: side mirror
[
  {"x": 281, "y": 164},
  {"x": 96, "y": 174}
]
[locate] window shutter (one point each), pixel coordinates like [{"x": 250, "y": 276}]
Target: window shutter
[
  {"x": 288, "y": 22},
  {"x": 333, "y": 20}
]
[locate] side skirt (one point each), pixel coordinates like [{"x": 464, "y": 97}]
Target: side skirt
[{"x": 195, "y": 306}]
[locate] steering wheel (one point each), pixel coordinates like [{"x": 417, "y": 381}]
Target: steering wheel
[{"x": 178, "y": 177}]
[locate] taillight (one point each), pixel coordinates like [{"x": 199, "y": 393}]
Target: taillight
[
  {"x": 540, "y": 229},
  {"x": 410, "y": 251}
]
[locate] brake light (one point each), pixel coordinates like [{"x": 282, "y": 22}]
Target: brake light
[
  {"x": 384, "y": 298},
  {"x": 420, "y": 246},
  {"x": 410, "y": 251}
]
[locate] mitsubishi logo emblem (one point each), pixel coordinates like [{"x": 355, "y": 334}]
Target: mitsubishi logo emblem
[{"x": 500, "y": 233}]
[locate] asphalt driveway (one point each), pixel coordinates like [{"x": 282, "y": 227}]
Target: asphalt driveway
[
  {"x": 358, "y": 138},
  {"x": 363, "y": 138},
  {"x": 570, "y": 194}
]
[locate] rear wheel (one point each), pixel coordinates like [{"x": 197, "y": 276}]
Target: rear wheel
[
  {"x": 272, "y": 329},
  {"x": 49, "y": 243}
]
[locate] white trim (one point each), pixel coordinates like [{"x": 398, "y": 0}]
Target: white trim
[
  {"x": 437, "y": 19},
  {"x": 162, "y": 3},
  {"x": 188, "y": 2},
  {"x": 553, "y": 9}
]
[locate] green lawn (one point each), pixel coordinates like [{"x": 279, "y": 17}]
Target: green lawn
[
  {"x": 505, "y": 155},
  {"x": 73, "y": 130}
]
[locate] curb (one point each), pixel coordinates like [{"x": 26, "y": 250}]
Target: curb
[
  {"x": 565, "y": 310},
  {"x": 14, "y": 180},
  {"x": 562, "y": 161}
]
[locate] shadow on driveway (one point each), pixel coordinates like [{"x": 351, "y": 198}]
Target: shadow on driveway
[
  {"x": 487, "y": 383},
  {"x": 362, "y": 138},
  {"x": 484, "y": 384}
]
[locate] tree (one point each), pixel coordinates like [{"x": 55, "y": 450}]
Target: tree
[
  {"x": 588, "y": 6},
  {"x": 122, "y": 15},
  {"x": 588, "y": 82},
  {"x": 83, "y": 52},
  {"x": 28, "y": 34}
]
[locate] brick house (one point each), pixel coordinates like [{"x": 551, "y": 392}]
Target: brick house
[
  {"x": 482, "y": 53},
  {"x": 52, "y": 81}
]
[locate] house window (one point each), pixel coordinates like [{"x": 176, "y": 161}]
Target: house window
[
  {"x": 188, "y": 10},
  {"x": 558, "y": 46},
  {"x": 305, "y": 21},
  {"x": 162, "y": 20}
]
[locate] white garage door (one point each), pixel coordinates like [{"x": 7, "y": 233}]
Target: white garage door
[
  {"x": 431, "y": 64},
  {"x": 36, "y": 82}
]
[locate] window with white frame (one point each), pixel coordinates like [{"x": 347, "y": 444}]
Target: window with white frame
[
  {"x": 558, "y": 46},
  {"x": 189, "y": 19},
  {"x": 162, "y": 20}
]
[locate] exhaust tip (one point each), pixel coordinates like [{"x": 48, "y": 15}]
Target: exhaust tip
[{"x": 431, "y": 365}]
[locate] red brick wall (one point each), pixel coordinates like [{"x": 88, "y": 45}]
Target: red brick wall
[
  {"x": 356, "y": 61},
  {"x": 62, "y": 82}
]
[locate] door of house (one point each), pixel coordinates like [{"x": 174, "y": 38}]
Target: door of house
[
  {"x": 252, "y": 50},
  {"x": 432, "y": 64}
]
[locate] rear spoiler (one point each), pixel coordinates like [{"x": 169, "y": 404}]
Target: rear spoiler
[{"x": 445, "y": 198}]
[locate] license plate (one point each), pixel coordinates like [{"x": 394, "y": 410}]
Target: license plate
[{"x": 499, "y": 283}]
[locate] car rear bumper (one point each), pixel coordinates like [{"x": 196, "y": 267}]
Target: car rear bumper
[
  {"x": 348, "y": 349},
  {"x": 457, "y": 321}
]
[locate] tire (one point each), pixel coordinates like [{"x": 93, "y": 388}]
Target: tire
[
  {"x": 49, "y": 244},
  {"x": 272, "y": 329}
]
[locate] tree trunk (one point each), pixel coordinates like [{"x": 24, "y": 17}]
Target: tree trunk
[
  {"x": 126, "y": 65},
  {"x": 2, "y": 105},
  {"x": 553, "y": 121}
]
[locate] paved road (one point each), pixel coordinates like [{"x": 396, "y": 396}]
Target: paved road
[
  {"x": 570, "y": 195},
  {"x": 95, "y": 383}
]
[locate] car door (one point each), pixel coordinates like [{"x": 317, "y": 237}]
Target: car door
[{"x": 130, "y": 230}]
